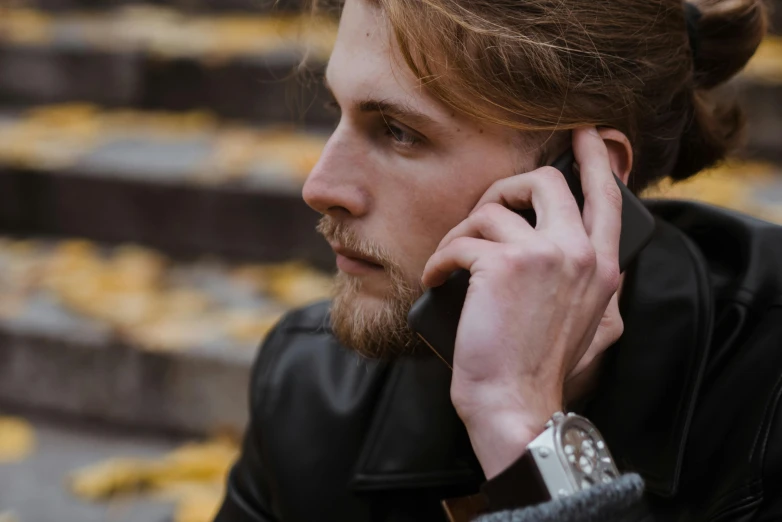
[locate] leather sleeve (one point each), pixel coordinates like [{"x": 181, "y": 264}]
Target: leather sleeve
[
  {"x": 248, "y": 492},
  {"x": 619, "y": 501}
]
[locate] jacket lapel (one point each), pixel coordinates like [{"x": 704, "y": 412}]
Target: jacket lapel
[
  {"x": 416, "y": 439},
  {"x": 650, "y": 379}
]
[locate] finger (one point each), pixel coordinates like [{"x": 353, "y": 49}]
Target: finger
[
  {"x": 491, "y": 222},
  {"x": 461, "y": 253},
  {"x": 602, "y": 197},
  {"x": 544, "y": 189}
]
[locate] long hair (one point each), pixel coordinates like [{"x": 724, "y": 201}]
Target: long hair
[{"x": 559, "y": 64}]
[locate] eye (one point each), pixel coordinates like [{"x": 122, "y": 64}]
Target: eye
[{"x": 401, "y": 135}]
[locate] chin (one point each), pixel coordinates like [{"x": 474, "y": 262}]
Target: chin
[
  {"x": 375, "y": 287},
  {"x": 371, "y": 320}
]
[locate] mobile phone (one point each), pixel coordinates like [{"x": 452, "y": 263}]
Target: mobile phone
[{"x": 435, "y": 316}]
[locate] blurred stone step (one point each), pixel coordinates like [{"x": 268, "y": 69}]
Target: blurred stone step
[
  {"x": 241, "y": 67},
  {"x": 183, "y": 221},
  {"x": 86, "y": 378},
  {"x": 35, "y": 489},
  {"x": 182, "y": 183},
  {"x": 126, "y": 336},
  {"x": 241, "y": 89}
]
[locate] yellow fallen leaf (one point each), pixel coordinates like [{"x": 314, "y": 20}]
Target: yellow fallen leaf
[
  {"x": 199, "y": 505},
  {"x": 246, "y": 326},
  {"x": 17, "y": 439},
  {"x": 301, "y": 287},
  {"x": 196, "y": 462},
  {"x": 111, "y": 477},
  {"x": 25, "y": 26},
  {"x": 203, "y": 463},
  {"x": 170, "y": 333},
  {"x": 732, "y": 185},
  {"x": 292, "y": 283}
]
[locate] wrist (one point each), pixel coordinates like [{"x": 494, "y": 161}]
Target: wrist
[
  {"x": 501, "y": 420},
  {"x": 500, "y": 437}
]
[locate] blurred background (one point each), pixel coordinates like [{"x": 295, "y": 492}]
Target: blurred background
[{"x": 152, "y": 231}]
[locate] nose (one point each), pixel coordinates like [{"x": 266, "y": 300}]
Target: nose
[{"x": 335, "y": 185}]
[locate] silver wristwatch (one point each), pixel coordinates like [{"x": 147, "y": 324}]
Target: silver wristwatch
[{"x": 569, "y": 456}]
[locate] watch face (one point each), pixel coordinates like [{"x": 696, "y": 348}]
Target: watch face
[{"x": 584, "y": 453}]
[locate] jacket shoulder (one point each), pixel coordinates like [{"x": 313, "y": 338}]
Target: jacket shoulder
[
  {"x": 299, "y": 359},
  {"x": 743, "y": 253},
  {"x": 311, "y": 402},
  {"x": 303, "y": 327}
]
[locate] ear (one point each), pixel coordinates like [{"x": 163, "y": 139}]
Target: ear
[{"x": 620, "y": 152}]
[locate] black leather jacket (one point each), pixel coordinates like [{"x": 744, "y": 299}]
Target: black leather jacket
[{"x": 689, "y": 397}]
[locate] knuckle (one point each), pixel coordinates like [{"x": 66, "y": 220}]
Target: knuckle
[
  {"x": 499, "y": 186},
  {"x": 549, "y": 174},
  {"x": 546, "y": 256},
  {"x": 489, "y": 213},
  {"x": 516, "y": 259},
  {"x": 552, "y": 178},
  {"x": 484, "y": 219},
  {"x": 582, "y": 255},
  {"x": 460, "y": 243},
  {"x": 513, "y": 258}
]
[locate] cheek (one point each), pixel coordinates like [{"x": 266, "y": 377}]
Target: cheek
[
  {"x": 435, "y": 205},
  {"x": 435, "y": 215}
]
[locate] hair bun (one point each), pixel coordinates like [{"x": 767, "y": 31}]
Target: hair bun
[
  {"x": 723, "y": 39},
  {"x": 727, "y": 33}
]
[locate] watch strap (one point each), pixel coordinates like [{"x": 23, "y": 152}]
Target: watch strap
[{"x": 519, "y": 485}]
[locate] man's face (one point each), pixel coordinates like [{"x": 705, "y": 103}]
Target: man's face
[{"x": 400, "y": 171}]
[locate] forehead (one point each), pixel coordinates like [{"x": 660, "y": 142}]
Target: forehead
[{"x": 366, "y": 63}]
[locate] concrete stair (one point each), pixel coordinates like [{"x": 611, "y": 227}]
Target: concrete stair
[{"x": 249, "y": 67}]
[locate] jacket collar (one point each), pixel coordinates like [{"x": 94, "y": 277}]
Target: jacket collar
[
  {"x": 643, "y": 404},
  {"x": 650, "y": 379}
]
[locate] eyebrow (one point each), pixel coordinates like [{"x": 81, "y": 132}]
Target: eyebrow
[{"x": 396, "y": 110}]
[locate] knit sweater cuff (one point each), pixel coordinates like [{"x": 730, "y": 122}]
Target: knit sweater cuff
[{"x": 619, "y": 501}]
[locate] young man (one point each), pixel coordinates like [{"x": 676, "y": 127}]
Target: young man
[{"x": 677, "y": 362}]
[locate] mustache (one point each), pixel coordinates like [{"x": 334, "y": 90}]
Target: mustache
[{"x": 338, "y": 232}]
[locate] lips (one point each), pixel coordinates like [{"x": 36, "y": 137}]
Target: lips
[
  {"x": 356, "y": 264},
  {"x": 355, "y": 256}
]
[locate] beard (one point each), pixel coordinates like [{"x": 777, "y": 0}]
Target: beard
[{"x": 378, "y": 330}]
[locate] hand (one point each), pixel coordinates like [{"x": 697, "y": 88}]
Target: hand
[{"x": 536, "y": 300}]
